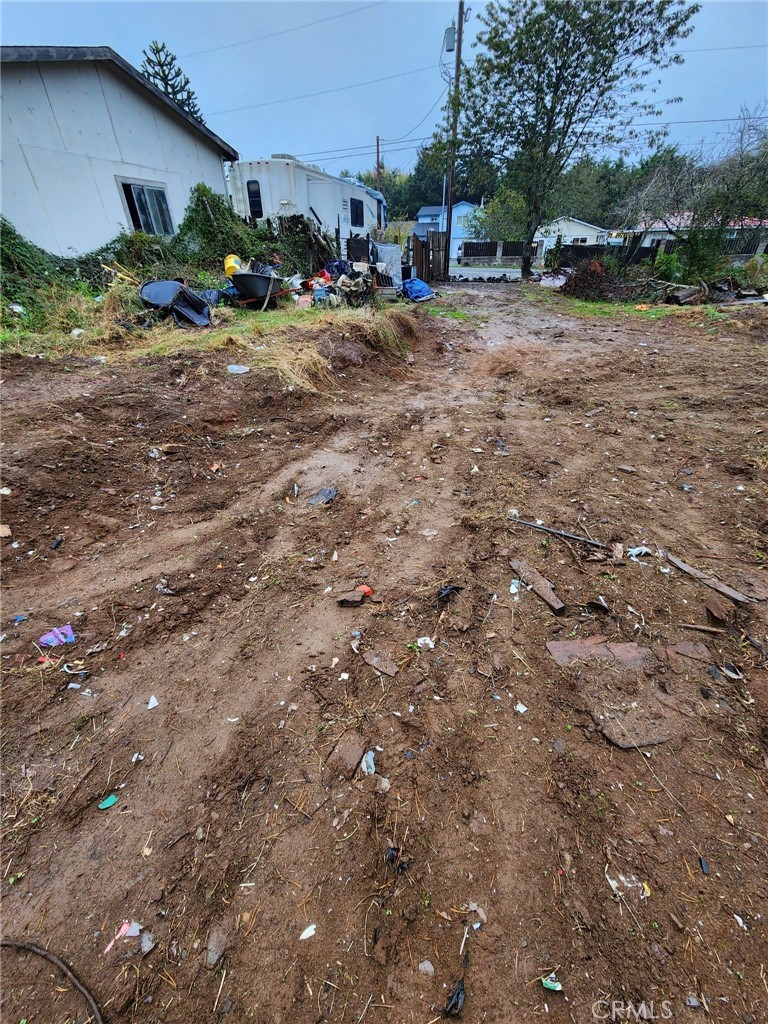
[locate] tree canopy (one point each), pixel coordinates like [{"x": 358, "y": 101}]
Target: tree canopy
[
  {"x": 555, "y": 79},
  {"x": 161, "y": 68}
]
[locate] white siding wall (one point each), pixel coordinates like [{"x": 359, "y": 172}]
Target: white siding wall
[
  {"x": 69, "y": 130},
  {"x": 287, "y": 187},
  {"x": 569, "y": 229}
]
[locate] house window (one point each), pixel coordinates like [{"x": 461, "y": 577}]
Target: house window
[
  {"x": 148, "y": 208},
  {"x": 356, "y": 209},
  {"x": 254, "y": 200},
  {"x": 460, "y": 221},
  {"x": 580, "y": 241}
]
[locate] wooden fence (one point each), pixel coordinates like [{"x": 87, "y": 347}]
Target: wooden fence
[{"x": 428, "y": 256}]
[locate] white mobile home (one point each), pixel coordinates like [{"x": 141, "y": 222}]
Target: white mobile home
[
  {"x": 282, "y": 185},
  {"x": 91, "y": 147}
]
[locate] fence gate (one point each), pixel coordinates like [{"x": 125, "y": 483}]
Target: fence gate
[{"x": 429, "y": 256}]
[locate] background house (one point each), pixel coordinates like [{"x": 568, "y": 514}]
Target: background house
[
  {"x": 572, "y": 231},
  {"x": 90, "y": 147},
  {"x": 433, "y": 218},
  {"x": 747, "y": 233}
]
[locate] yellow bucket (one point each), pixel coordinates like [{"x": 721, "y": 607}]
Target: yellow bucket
[{"x": 231, "y": 264}]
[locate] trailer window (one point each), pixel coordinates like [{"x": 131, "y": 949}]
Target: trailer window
[
  {"x": 148, "y": 208},
  {"x": 356, "y": 211},
  {"x": 254, "y": 200}
]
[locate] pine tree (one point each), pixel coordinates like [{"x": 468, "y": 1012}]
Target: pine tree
[{"x": 160, "y": 67}]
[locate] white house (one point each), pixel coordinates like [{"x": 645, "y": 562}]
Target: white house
[
  {"x": 572, "y": 231},
  {"x": 434, "y": 218},
  {"x": 91, "y": 147},
  {"x": 282, "y": 185}
]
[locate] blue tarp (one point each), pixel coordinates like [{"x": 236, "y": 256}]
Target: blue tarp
[{"x": 417, "y": 290}]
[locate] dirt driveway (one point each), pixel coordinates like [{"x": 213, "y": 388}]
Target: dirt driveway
[{"x": 580, "y": 794}]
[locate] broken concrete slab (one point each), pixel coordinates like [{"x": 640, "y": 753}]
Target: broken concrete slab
[{"x": 351, "y": 599}]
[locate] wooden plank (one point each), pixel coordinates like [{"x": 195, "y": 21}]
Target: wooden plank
[
  {"x": 540, "y": 585},
  {"x": 708, "y": 581}
]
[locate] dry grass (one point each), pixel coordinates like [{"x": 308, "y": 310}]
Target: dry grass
[{"x": 283, "y": 341}]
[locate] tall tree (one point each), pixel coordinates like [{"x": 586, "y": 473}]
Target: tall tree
[
  {"x": 161, "y": 68},
  {"x": 558, "y": 78}
]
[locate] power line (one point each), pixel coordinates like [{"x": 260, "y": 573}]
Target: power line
[
  {"x": 282, "y": 32},
  {"x": 325, "y": 92},
  {"x": 718, "y": 49},
  {"x": 346, "y": 150},
  {"x": 365, "y": 148},
  {"x": 421, "y": 122}
]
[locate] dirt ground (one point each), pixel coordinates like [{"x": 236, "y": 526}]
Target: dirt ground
[{"x": 604, "y": 819}]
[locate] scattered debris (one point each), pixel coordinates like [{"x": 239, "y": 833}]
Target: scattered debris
[
  {"x": 346, "y": 755},
  {"x": 5, "y": 531},
  {"x": 152, "y": 702},
  {"x": 708, "y": 581},
  {"x": 628, "y": 655},
  {"x": 367, "y": 765},
  {"x": 324, "y": 496},
  {"x": 540, "y": 585},
  {"x": 308, "y": 932},
  {"x": 108, "y": 802},
  {"x": 636, "y": 553},
  {"x": 31, "y": 947},
  {"x": 58, "y": 637},
  {"x": 520, "y": 708},
  {"x": 455, "y": 1003},
  {"x": 351, "y": 599},
  {"x": 626, "y": 469},
  {"x": 704, "y": 864},
  {"x": 428, "y": 968},
  {"x": 445, "y": 593},
  {"x": 238, "y": 368},
  {"x": 551, "y": 983},
  {"x": 558, "y": 533},
  {"x": 425, "y": 643},
  {"x": 381, "y": 661}
]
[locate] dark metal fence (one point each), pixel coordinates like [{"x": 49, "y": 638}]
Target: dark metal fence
[{"x": 479, "y": 249}]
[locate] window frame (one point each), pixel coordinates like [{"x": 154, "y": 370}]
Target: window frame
[
  {"x": 356, "y": 206},
  {"x": 154, "y": 215},
  {"x": 251, "y": 214}
]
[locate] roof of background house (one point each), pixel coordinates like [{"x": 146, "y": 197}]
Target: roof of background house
[
  {"x": 54, "y": 54},
  {"x": 684, "y": 219},
  {"x": 435, "y": 211},
  {"x": 576, "y": 221}
]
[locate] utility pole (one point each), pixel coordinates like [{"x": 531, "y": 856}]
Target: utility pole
[
  {"x": 454, "y": 135},
  {"x": 378, "y": 165}
]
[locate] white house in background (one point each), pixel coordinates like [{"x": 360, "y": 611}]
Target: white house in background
[
  {"x": 91, "y": 147},
  {"x": 434, "y": 218},
  {"x": 572, "y": 231},
  {"x": 282, "y": 185}
]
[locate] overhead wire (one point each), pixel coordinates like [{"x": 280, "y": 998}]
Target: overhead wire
[
  {"x": 421, "y": 122},
  {"x": 282, "y": 32},
  {"x": 325, "y": 92}
]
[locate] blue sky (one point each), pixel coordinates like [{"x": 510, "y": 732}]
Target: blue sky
[{"x": 250, "y": 62}]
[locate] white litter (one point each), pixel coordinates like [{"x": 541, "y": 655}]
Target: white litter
[
  {"x": 367, "y": 764},
  {"x": 425, "y": 643},
  {"x": 308, "y": 932},
  {"x": 152, "y": 702},
  {"x": 520, "y": 708}
]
